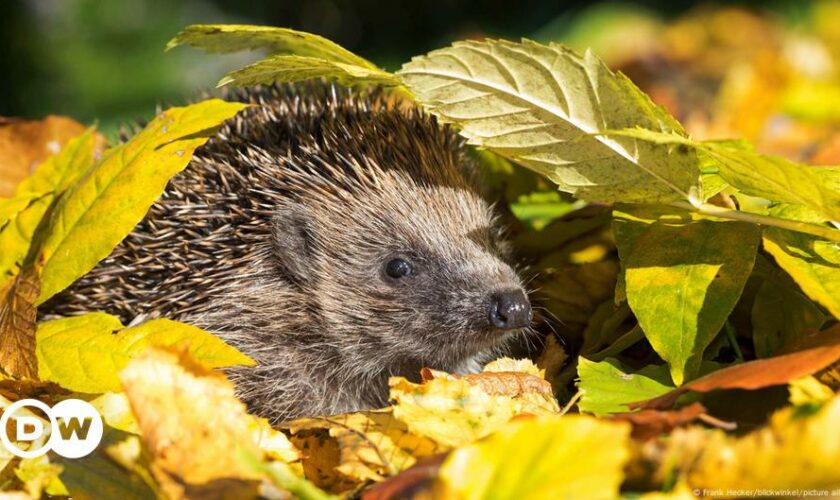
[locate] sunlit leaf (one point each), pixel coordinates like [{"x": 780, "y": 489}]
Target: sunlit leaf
[
  {"x": 683, "y": 277},
  {"x": 454, "y": 411},
  {"x": 193, "y": 427},
  {"x": 539, "y": 104},
  {"x": 812, "y": 262},
  {"x": 225, "y": 38},
  {"x": 39, "y": 476},
  {"x": 808, "y": 390},
  {"x": 548, "y": 457},
  {"x": 24, "y": 213},
  {"x": 280, "y": 69},
  {"x": 770, "y": 177},
  {"x": 608, "y": 386},
  {"x": 120, "y": 188},
  {"x": 85, "y": 353},
  {"x": 295, "y": 55}
]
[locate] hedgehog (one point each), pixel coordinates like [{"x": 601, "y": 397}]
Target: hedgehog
[{"x": 337, "y": 237}]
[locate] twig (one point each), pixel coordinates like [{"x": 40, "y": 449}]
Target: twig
[
  {"x": 716, "y": 422},
  {"x": 571, "y": 402}
]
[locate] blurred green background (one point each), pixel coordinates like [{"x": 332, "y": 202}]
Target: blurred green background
[{"x": 104, "y": 60}]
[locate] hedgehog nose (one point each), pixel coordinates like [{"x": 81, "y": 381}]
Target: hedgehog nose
[{"x": 510, "y": 309}]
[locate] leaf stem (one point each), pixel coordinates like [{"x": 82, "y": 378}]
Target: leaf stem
[
  {"x": 764, "y": 220},
  {"x": 575, "y": 398}
]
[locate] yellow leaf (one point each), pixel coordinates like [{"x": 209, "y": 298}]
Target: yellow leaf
[
  {"x": 39, "y": 476},
  {"x": 798, "y": 449},
  {"x": 548, "y": 457},
  {"x": 281, "y": 69},
  {"x": 225, "y": 38},
  {"x": 812, "y": 262},
  {"x": 808, "y": 390},
  {"x": 194, "y": 428},
  {"x": 96, "y": 213},
  {"x": 453, "y": 411},
  {"x": 683, "y": 277},
  {"x": 198, "y": 437},
  {"x": 85, "y": 353},
  {"x": 344, "y": 451},
  {"x": 22, "y": 215},
  {"x": 115, "y": 411}
]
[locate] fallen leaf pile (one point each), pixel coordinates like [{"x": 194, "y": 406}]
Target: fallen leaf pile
[{"x": 678, "y": 228}]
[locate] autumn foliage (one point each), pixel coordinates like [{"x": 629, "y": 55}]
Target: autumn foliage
[{"x": 677, "y": 205}]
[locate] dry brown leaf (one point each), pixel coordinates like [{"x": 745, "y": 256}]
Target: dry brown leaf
[
  {"x": 822, "y": 351},
  {"x": 419, "y": 478},
  {"x": 17, "y": 325},
  {"x": 828, "y": 152},
  {"x": 25, "y": 143},
  {"x": 552, "y": 361},
  {"x": 795, "y": 450},
  {"x": 194, "y": 428},
  {"x": 648, "y": 424}
]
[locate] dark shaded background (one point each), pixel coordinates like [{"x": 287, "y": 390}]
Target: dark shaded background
[{"x": 104, "y": 60}]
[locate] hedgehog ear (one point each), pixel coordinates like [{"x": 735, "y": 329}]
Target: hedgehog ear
[{"x": 292, "y": 236}]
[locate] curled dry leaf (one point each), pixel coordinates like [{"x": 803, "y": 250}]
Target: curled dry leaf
[
  {"x": 343, "y": 452},
  {"x": 454, "y": 411},
  {"x": 504, "y": 377},
  {"x": 17, "y": 325},
  {"x": 194, "y": 428},
  {"x": 822, "y": 351}
]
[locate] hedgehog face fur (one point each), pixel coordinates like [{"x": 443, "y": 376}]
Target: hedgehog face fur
[{"x": 334, "y": 239}]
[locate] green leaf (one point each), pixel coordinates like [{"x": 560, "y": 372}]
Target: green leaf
[
  {"x": 770, "y": 177},
  {"x": 85, "y": 353},
  {"x": 550, "y": 457},
  {"x": 539, "y": 105},
  {"x": 225, "y": 38},
  {"x": 279, "y": 69},
  {"x": 97, "y": 476},
  {"x": 608, "y": 386},
  {"x": 812, "y": 262},
  {"x": 683, "y": 276},
  {"x": 99, "y": 210},
  {"x": 781, "y": 315},
  {"x": 295, "y": 55},
  {"x": 22, "y": 215}
]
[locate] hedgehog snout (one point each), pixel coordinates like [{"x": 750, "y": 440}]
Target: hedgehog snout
[{"x": 509, "y": 309}]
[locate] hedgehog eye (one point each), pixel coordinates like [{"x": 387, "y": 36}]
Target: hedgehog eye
[{"x": 398, "y": 268}]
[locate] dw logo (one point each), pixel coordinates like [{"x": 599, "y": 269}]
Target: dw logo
[{"x": 75, "y": 428}]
